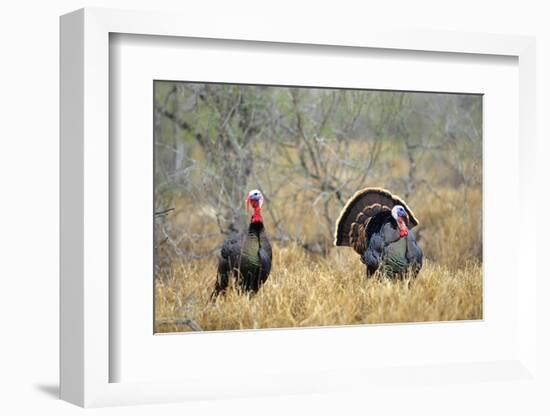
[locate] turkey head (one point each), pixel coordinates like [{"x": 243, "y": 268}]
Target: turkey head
[{"x": 255, "y": 200}]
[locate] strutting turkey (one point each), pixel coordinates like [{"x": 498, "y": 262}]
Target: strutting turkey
[
  {"x": 378, "y": 226},
  {"x": 246, "y": 256}
]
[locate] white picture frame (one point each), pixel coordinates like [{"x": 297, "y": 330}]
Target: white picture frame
[{"x": 86, "y": 356}]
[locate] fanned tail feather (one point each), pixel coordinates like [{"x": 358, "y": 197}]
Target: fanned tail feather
[{"x": 351, "y": 226}]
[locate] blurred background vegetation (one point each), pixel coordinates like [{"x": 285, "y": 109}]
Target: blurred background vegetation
[{"x": 308, "y": 150}]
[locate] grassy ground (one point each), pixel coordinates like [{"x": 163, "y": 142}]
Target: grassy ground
[{"x": 306, "y": 290}]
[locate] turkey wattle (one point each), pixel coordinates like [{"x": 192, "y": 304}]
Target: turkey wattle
[
  {"x": 378, "y": 226},
  {"x": 246, "y": 256}
]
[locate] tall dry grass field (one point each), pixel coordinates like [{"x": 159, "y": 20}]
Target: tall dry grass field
[
  {"x": 304, "y": 291},
  {"x": 308, "y": 290}
]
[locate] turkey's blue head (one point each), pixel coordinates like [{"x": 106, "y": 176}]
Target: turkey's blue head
[
  {"x": 402, "y": 218},
  {"x": 255, "y": 200}
]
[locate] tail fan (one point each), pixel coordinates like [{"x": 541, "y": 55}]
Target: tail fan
[{"x": 353, "y": 220}]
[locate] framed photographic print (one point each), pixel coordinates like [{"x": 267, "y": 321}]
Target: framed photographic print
[{"x": 329, "y": 203}]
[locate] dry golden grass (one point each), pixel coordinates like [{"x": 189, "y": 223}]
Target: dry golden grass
[{"x": 306, "y": 290}]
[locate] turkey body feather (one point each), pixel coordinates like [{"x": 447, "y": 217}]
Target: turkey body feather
[
  {"x": 247, "y": 258},
  {"x": 390, "y": 253}
]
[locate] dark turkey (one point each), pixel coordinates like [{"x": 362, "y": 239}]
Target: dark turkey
[
  {"x": 378, "y": 226},
  {"x": 246, "y": 256}
]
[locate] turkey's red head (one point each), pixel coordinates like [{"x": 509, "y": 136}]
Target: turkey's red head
[
  {"x": 255, "y": 200},
  {"x": 402, "y": 219}
]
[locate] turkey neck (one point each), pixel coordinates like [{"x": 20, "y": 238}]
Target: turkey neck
[
  {"x": 257, "y": 216},
  {"x": 256, "y": 226}
]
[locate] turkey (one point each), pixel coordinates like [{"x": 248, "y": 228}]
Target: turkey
[
  {"x": 246, "y": 256},
  {"x": 378, "y": 226}
]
